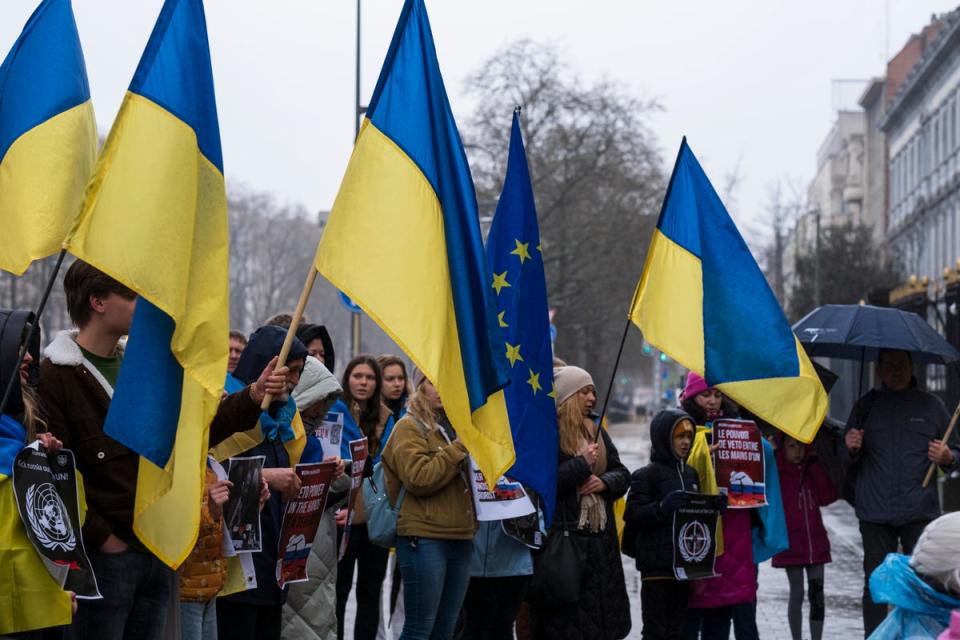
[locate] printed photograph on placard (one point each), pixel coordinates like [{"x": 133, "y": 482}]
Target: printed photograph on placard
[{"x": 241, "y": 514}]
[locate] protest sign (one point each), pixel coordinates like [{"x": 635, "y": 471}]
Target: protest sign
[
  {"x": 301, "y": 517},
  {"x": 330, "y": 431},
  {"x": 45, "y": 486},
  {"x": 241, "y": 514},
  {"x": 738, "y": 459},
  {"x": 358, "y": 457},
  {"x": 695, "y": 537},
  {"x": 507, "y": 498}
]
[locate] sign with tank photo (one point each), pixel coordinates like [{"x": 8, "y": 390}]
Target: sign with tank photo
[{"x": 738, "y": 459}]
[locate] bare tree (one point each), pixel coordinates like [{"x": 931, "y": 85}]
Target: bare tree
[{"x": 597, "y": 177}]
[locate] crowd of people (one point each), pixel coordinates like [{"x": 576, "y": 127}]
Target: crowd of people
[{"x": 452, "y": 576}]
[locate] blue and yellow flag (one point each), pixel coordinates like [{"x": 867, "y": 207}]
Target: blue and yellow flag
[
  {"x": 155, "y": 218},
  {"x": 48, "y": 136},
  {"x": 24, "y": 580},
  {"x": 515, "y": 268},
  {"x": 403, "y": 241},
  {"x": 703, "y": 300}
]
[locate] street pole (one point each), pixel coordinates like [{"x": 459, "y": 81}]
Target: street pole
[
  {"x": 357, "y": 114},
  {"x": 816, "y": 261}
]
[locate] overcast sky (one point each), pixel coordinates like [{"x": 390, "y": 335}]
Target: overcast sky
[{"x": 749, "y": 83}]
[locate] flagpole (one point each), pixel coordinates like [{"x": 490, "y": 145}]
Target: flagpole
[
  {"x": 33, "y": 330},
  {"x": 292, "y": 330},
  {"x": 613, "y": 377}
]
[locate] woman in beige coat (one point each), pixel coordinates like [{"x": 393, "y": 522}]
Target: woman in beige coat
[{"x": 425, "y": 460}]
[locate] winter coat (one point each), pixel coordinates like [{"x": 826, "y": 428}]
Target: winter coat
[
  {"x": 897, "y": 428},
  {"x": 438, "y": 502},
  {"x": 204, "y": 572},
  {"x": 804, "y": 488},
  {"x": 311, "y": 609},
  {"x": 497, "y": 555},
  {"x": 75, "y": 398},
  {"x": 664, "y": 474},
  {"x": 919, "y": 610},
  {"x": 737, "y": 582},
  {"x": 603, "y": 612}
]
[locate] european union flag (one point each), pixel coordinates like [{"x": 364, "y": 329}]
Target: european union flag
[{"x": 516, "y": 270}]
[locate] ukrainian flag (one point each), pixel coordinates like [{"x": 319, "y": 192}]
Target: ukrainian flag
[
  {"x": 703, "y": 300},
  {"x": 155, "y": 218},
  {"x": 29, "y": 597},
  {"x": 48, "y": 136},
  {"x": 403, "y": 242}
]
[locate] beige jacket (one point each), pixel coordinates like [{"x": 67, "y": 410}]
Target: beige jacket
[{"x": 438, "y": 503}]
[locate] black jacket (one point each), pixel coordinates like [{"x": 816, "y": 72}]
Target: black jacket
[
  {"x": 603, "y": 611},
  {"x": 665, "y": 473}
]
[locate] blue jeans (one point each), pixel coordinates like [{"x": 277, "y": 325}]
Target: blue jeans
[
  {"x": 435, "y": 577},
  {"x": 198, "y": 620},
  {"x": 135, "y": 588}
]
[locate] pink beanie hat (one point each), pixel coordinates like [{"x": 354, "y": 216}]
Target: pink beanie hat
[{"x": 695, "y": 385}]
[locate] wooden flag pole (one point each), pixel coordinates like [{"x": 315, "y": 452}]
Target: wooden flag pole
[
  {"x": 946, "y": 437},
  {"x": 292, "y": 331}
]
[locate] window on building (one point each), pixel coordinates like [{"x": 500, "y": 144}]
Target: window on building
[
  {"x": 935, "y": 148},
  {"x": 944, "y": 140}
]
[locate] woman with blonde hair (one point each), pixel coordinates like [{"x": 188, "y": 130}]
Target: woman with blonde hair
[
  {"x": 436, "y": 523},
  {"x": 590, "y": 478}
]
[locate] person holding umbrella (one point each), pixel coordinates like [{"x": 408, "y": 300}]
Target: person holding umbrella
[{"x": 893, "y": 434}]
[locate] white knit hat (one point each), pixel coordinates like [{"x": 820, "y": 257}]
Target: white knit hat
[
  {"x": 936, "y": 555},
  {"x": 316, "y": 384},
  {"x": 568, "y": 380}
]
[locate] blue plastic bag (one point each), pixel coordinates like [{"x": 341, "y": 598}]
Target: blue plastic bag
[{"x": 920, "y": 611}]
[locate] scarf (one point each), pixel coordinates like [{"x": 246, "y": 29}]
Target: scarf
[
  {"x": 279, "y": 427},
  {"x": 593, "y": 507}
]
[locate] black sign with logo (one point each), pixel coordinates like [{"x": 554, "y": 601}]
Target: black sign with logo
[
  {"x": 695, "y": 536},
  {"x": 45, "y": 484}
]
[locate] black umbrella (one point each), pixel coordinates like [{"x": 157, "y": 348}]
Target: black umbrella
[{"x": 859, "y": 332}]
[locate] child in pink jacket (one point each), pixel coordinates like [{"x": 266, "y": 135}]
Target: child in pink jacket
[{"x": 804, "y": 487}]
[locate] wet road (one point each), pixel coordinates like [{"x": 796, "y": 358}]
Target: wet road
[{"x": 844, "y": 576}]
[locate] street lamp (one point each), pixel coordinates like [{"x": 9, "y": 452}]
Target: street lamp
[
  {"x": 816, "y": 259},
  {"x": 359, "y": 110}
]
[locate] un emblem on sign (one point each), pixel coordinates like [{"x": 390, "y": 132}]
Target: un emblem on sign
[
  {"x": 694, "y": 541},
  {"x": 48, "y": 518}
]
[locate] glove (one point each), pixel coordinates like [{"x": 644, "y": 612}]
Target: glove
[{"x": 673, "y": 501}]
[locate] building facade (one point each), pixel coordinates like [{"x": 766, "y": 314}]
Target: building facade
[{"x": 922, "y": 126}]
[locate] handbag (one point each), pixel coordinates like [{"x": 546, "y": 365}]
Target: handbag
[
  {"x": 381, "y": 515},
  {"x": 558, "y": 568}
]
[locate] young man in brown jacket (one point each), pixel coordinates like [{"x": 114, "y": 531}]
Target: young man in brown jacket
[{"x": 76, "y": 384}]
